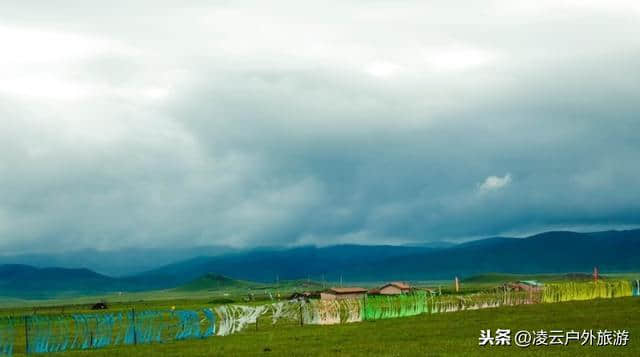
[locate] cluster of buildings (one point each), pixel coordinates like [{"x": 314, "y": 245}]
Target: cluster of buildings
[
  {"x": 524, "y": 285},
  {"x": 398, "y": 288},
  {"x": 392, "y": 288}
]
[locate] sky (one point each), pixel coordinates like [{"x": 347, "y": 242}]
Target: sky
[{"x": 252, "y": 123}]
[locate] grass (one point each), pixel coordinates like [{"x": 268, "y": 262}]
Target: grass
[
  {"x": 545, "y": 278},
  {"x": 501, "y": 277},
  {"x": 199, "y": 291},
  {"x": 450, "y": 334},
  {"x": 154, "y": 299},
  {"x": 438, "y": 335}
]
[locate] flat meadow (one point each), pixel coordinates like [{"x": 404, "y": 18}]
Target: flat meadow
[{"x": 446, "y": 334}]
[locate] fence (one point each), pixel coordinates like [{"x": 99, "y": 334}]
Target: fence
[
  {"x": 7, "y": 335},
  {"x": 56, "y": 333},
  {"x": 587, "y": 290}
]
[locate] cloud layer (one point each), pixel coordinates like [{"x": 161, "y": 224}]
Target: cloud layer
[{"x": 149, "y": 124}]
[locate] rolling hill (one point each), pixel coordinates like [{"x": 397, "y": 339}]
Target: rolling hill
[
  {"x": 546, "y": 253},
  {"x": 267, "y": 265},
  {"x": 119, "y": 262},
  {"x": 550, "y": 252},
  {"x": 26, "y": 281},
  {"x": 212, "y": 281}
]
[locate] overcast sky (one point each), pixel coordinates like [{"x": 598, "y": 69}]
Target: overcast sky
[{"x": 244, "y": 123}]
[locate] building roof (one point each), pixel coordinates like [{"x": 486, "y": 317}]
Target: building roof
[
  {"x": 522, "y": 286},
  {"x": 398, "y": 284},
  {"x": 530, "y": 282},
  {"x": 348, "y": 290}
]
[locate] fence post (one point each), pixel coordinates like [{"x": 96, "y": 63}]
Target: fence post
[
  {"x": 364, "y": 308},
  {"x": 301, "y": 321},
  {"x": 26, "y": 334},
  {"x": 133, "y": 320}
]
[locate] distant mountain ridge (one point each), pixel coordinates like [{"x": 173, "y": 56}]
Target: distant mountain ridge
[
  {"x": 212, "y": 281},
  {"x": 22, "y": 280},
  {"x": 549, "y": 252},
  {"x": 119, "y": 262},
  {"x": 266, "y": 265}
]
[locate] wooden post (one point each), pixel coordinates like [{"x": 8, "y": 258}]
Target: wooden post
[
  {"x": 133, "y": 319},
  {"x": 504, "y": 295},
  {"x": 595, "y": 274},
  {"x": 26, "y": 334},
  {"x": 457, "y": 284},
  {"x": 301, "y": 320},
  {"x": 364, "y": 307}
]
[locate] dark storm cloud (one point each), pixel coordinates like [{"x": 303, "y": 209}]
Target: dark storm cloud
[
  {"x": 317, "y": 129},
  {"x": 567, "y": 151}
]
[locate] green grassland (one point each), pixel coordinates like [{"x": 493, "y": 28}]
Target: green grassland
[
  {"x": 448, "y": 334},
  {"x": 212, "y": 288},
  {"x": 544, "y": 278},
  {"x": 207, "y": 290},
  {"x": 216, "y": 289}
]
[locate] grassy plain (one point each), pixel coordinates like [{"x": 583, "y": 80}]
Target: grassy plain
[{"x": 448, "y": 334}]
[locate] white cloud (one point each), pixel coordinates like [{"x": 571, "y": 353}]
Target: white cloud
[
  {"x": 493, "y": 183},
  {"x": 383, "y": 69},
  {"x": 266, "y": 123},
  {"x": 43, "y": 65},
  {"x": 43, "y": 87},
  {"x": 457, "y": 58},
  {"x": 36, "y": 46}
]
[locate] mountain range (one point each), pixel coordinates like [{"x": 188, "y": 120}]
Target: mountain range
[
  {"x": 119, "y": 262},
  {"x": 549, "y": 252}
]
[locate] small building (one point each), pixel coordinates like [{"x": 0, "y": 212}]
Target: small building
[
  {"x": 527, "y": 285},
  {"x": 343, "y": 293},
  {"x": 99, "y": 306},
  {"x": 533, "y": 283},
  {"x": 299, "y": 296},
  {"x": 305, "y": 295},
  {"x": 394, "y": 288}
]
